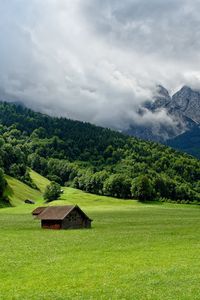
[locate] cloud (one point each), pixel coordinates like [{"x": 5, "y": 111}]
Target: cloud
[
  {"x": 149, "y": 26},
  {"x": 96, "y": 60}
]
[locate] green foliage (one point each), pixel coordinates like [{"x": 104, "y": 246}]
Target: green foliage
[
  {"x": 188, "y": 142},
  {"x": 94, "y": 159},
  {"x": 97, "y": 181},
  {"x": 118, "y": 185},
  {"x": 52, "y": 191},
  {"x": 142, "y": 188},
  {"x": 3, "y": 183}
]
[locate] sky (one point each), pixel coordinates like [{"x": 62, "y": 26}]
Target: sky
[{"x": 97, "y": 60}]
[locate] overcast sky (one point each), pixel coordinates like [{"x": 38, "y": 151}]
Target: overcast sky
[{"x": 97, "y": 60}]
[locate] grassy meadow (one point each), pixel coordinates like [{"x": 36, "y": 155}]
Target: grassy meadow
[{"x": 133, "y": 251}]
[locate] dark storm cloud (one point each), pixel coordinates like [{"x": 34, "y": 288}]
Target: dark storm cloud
[
  {"x": 162, "y": 27},
  {"x": 97, "y": 60}
]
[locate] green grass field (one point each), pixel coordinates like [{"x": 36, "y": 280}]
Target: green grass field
[{"x": 133, "y": 251}]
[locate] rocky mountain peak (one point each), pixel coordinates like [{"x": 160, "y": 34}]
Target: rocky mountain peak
[
  {"x": 183, "y": 108},
  {"x": 162, "y": 92},
  {"x": 160, "y": 100},
  {"x": 187, "y": 102},
  {"x": 185, "y": 89}
]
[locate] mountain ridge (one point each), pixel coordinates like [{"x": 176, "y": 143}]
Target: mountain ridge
[
  {"x": 183, "y": 108},
  {"x": 93, "y": 159}
]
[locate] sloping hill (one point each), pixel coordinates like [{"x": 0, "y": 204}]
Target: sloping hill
[
  {"x": 93, "y": 159},
  {"x": 188, "y": 142},
  {"x": 73, "y": 196},
  {"x": 17, "y": 191},
  {"x": 40, "y": 181}
]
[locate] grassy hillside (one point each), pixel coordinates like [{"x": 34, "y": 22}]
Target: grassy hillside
[
  {"x": 133, "y": 251},
  {"x": 40, "y": 181},
  {"x": 17, "y": 192}
]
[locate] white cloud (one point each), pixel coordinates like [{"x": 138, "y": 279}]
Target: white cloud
[{"x": 96, "y": 60}]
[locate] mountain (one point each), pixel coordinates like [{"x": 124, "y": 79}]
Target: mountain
[
  {"x": 183, "y": 109},
  {"x": 188, "y": 142},
  {"x": 93, "y": 159},
  {"x": 186, "y": 103}
]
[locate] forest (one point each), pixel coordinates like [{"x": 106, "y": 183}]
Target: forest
[{"x": 93, "y": 159}]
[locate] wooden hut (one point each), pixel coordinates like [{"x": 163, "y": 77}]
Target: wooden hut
[
  {"x": 62, "y": 217},
  {"x": 38, "y": 210}
]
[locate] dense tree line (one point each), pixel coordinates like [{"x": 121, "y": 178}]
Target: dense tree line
[
  {"x": 93, "y": 159},
  {"x": 188, "y": 142}
]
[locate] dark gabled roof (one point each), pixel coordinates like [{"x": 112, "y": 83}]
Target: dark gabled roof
[
  {"x": 38, "y": 210},
  {"x": 59, "y": 212}
]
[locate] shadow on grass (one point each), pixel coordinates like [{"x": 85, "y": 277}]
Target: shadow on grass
[
  {"x": 5, "y": 201},
  {"x": 153, "y": 203}
]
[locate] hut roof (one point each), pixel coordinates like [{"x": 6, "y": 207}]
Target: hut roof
[
  {"x": 58, "y": 212},
  {"x": 38, "y": 210}
]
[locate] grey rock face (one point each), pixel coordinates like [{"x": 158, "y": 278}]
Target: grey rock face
[
  {"x": 183, "y": 108},
  {"x": 162, "y": 99},
  {"x": 187, "y": 103}
]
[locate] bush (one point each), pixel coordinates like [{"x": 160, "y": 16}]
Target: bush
[
  {"x": 55, "y": 178},
  {"x": 52, "y": 192},
  {"x": 3, "y": 182}
]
